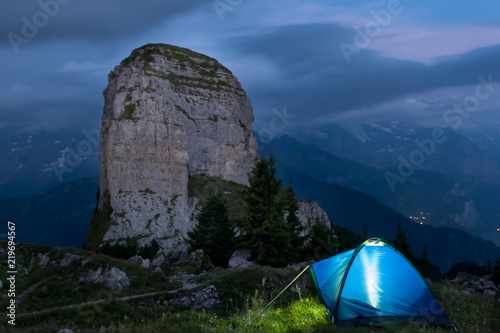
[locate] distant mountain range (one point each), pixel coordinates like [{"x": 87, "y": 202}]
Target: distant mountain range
[
  {"x": 32, "y": 162},
  {"x": 463, "y": 202},
  {"x": 60, "y": 217},
  {"x": 361, "y": 213},
  {"x": 336, "y": 169},
  {"x": 379, "y": 145}
]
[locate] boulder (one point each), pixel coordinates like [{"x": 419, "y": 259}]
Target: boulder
[
  {"x": 199, "y": 259},
  {"x": 490, "y": 294},
  {"x": 68, "y": 259},
  {"x": 240, "y": 258},
  {"x": 145, "y": 263},
  {"x": 44, "y": 259},
  {"x": 136, "y": 260},
  {"x": 158, "y": 261},
  {"x": 113, "y": 277}
]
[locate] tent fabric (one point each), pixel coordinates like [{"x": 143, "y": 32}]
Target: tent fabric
[{"x": 374, "y": 284}]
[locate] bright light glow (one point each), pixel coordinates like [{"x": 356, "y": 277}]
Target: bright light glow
[
  {"x": 371, "y": 278},
  {"x": 421, "y": 223}
]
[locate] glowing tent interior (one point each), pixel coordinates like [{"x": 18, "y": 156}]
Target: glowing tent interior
[{"x": 375, "y": 284}]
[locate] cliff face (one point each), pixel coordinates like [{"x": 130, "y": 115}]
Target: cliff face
[{"x": 169, "y": 114}]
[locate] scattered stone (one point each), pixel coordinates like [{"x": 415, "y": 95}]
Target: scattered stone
[
  {"x": 65, "y": 330},
  {"x": 240, "y": 258},
  {"x": 297, "y": 267},
  {"x": 145, "y": 263},
  {"x": 44, "y": 259},
  {"x": 462, "y": 276},
  {"x": 478, "y": 286},
  {"x": 158, "y": 261},
  {"x": 205, "y": 298},
  {"x": 68, "y": 259},
  {"x": 136, "y": 260},
  {"x": 114, "y": 278},
  {"x": 180, "y": 253},
  {"x": 86, "y": 260},
  {"x": 490, "y": 294},
  {"x": 199, "y": 259}
]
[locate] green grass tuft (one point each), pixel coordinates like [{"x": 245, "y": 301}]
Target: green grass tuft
[
  {"x": 100, "y": 224},
  {"x": 127, "y": 114},
  {"x": 202, "y": 187}
]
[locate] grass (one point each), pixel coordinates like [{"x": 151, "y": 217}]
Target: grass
[
  {"x": 182, "y": 55},
  {"x": 202, "y": 187},
  {"x": 244, "y": 293},
  {"x": 147, "y": 191},
  {"x": 100, "y": 224},
  {"x": 129, "y": 111}
]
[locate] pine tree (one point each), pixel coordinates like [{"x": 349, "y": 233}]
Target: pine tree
[
  {"x": 294, "y": 226},
  {"x": 426, "y": 268},
  {"x": 214, "y": 233},
  {"x": 402, "y": 244},
  {"x": 274, "y": 240}
]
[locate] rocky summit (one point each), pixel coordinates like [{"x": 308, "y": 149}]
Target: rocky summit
[{"x": 170, "y": 114}]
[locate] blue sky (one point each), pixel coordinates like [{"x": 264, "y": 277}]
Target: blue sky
[{"x": 421, "y": 58}]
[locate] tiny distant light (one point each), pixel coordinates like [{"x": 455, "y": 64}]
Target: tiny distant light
[
  {"x": 498, "y": 229},
  {"x": 421, "y": 223}
]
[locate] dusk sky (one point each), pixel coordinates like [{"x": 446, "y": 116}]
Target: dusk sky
[{"x": 325, "y": 61}]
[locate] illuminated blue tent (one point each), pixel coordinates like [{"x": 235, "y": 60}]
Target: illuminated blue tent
[{"x": 375, "y": 283}]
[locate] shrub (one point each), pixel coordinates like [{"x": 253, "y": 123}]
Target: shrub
[
  {"x": 149, "y": 251},
  {"x": 119, "y": 250}
]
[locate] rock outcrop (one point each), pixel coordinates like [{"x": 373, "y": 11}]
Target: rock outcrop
[
  {"x": 169, "y": 113},
  {"x": 309, "y": 214},
  {"x": 481, "y": 286}
]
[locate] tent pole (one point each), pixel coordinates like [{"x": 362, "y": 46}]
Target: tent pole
[{"x": 258, "y": 314}]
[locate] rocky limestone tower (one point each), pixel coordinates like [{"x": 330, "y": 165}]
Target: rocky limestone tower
[{"x": 169, "y": 113}]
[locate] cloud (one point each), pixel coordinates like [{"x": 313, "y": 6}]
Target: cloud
[
  {"x": 86, "y": 66},
  {"x": 90, "y": 19},
  {"x": 314, "y": 79},
  {"x": 284, "y": 54},
  {"x": 431, "y": 44}
]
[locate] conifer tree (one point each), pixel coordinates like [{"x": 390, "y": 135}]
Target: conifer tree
[
  {"x": 402, "y": 244},
  {"x": 294, "y": 227},
  {"x": 214, "y": 233},
  {"x": 274, "y": 240}
]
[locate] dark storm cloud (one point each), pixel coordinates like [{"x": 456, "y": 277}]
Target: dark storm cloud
[
  {"x": 94, "y": 20},
  {"x": 57, "y": 100},
  {"x": 55, "y": 78},
  {"x": 316, "y": 80}
]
